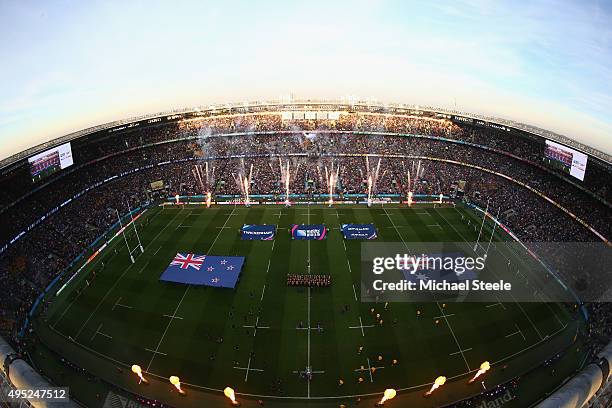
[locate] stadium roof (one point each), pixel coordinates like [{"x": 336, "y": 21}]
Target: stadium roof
[{"x": 310, "y": 104}]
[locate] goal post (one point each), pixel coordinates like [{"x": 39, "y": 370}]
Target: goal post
[{"x": 127, "y": 245}]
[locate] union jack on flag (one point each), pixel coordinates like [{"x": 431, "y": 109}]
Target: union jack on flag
[
  {"x": 185, "y": 261},
  {"x": 208, "y": 270}
]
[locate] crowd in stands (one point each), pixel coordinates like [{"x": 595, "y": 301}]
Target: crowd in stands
[
  {"x": 308, "y": 280},
  {"x": 120, "y": 167}
]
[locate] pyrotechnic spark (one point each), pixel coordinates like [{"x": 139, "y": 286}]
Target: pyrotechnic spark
[
  {"x": 437, "y": 384},
  {"x": 484, "y": 367}
]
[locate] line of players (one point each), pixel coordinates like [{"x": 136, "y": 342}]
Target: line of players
[{"x": 308, "y": 280}]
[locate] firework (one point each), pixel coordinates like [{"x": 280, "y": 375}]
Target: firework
[
  {"x": 484, "y": 367},
  {"x": 174, "y": 380},
  {"x": 229, "y": 393},
  {"x": 138, "y": 371},
  {"x": 437, "y": 384},
  {"x": 389, "y": 394}
]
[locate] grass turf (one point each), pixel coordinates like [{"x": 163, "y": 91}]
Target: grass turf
[{"x": 126, "y": 315}]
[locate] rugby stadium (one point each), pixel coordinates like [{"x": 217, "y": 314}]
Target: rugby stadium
[{"x": 220, "y": 255}]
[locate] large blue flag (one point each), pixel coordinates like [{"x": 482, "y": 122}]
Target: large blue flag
[{"x": 207, "y": 270}]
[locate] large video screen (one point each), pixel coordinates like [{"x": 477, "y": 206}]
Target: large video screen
[
  {"x": 48, "y": 162},
  {"x": 565, "y": 159}
]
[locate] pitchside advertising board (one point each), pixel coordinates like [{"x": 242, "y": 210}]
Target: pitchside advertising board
[
  {"x": 50, "y": 161},
  {"x": 565, "y": 159},
  {"x": 316, "y": 232},
  {"x": 250, "y": 232},
  {"x": 359, "y": 231}
]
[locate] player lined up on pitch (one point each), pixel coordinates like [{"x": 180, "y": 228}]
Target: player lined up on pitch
[{"x": 308, "y": 280}]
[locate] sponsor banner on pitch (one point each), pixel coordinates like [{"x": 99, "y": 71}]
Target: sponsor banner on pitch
[
  {"x": 359, "y": 231},
  {"x": 308, "y": 231},
  {"x": 258, "y": 232}
]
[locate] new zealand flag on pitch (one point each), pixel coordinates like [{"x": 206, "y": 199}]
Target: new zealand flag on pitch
[{"x": 207, "y": 270}]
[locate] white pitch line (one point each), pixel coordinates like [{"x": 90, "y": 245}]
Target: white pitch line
[
  {"x": 499, "y": 301},
  {"x": 355, "y": 293},
  {"x": 96, "y": 333},
  {"x": 443, "y": 316},
  {"x": 460, "y": 352},
  {"x": 370, "y": 367},
  {"x": 121, "y": 305},
  {"x": 264, "y": 286},
  {"x": 157, "y": 250},
  {"x": 256, "y": 323},
  {"x": 252, "y": 327},
  {"x": 551, "y": 309},
  {"x": 156, "y": 352},
  {"x": 455, "y": 338},
  {"x": 494, "y": 304},
  {"x": 167, "y": 327},
  {"x": 520, "y": 331},
  {"x": 246, "y": 376},
  {"x": 100, "y": 333},
  {"x": 358, "y": 370},
  {"x": 104, "y": 334},
  {"x": 512, "y": 334},
  {"x": 145, "y": 265},
  {"x": 250, "y": 369},
  {"x": 528, "y": 318},
  {"x": 361, "y": 326},
  {"x": 173, "y": 317}
]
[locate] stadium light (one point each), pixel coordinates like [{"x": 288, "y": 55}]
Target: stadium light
[
  {"x": 389, "y": 394},
  {"x": 229, "y": 393},
  {"x": 174, "y": 380},
  {"x": 437, "y": 384},
  {"x": 138, "y": 371},
  {"x": 484, "y": 367}
]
